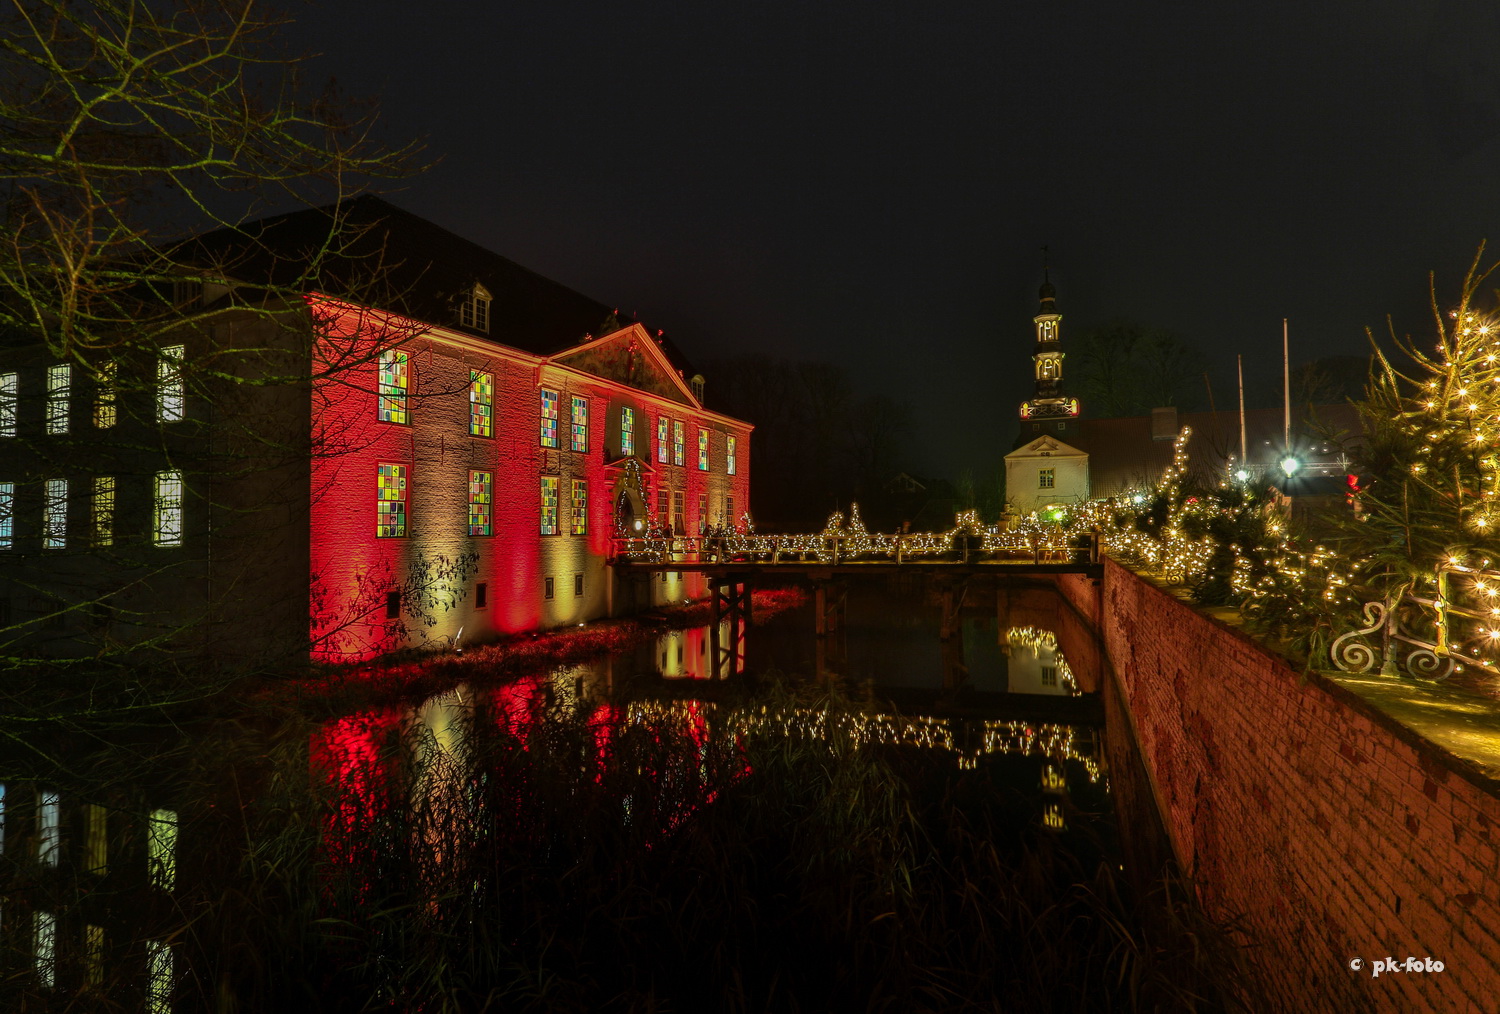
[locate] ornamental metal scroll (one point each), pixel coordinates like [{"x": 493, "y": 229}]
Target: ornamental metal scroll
[{"x": 1353, "y": 653}]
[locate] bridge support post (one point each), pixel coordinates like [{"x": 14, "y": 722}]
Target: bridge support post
[{"x": 729, "y": 599}]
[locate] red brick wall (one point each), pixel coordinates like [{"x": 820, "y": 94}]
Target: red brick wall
[{"x": 1331, "y": 831}]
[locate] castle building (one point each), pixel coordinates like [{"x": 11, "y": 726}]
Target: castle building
[
  {"x": 1044, "y": 467},
  {"x": 438, "y": 459}
]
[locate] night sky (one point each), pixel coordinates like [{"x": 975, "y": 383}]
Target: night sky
[{"x": 872, "y": 183}]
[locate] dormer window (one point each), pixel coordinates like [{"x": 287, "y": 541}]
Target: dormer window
[{"x": 474, "y": 311}]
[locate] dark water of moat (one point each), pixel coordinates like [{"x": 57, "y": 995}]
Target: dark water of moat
[{"x": 638, "y": 832}]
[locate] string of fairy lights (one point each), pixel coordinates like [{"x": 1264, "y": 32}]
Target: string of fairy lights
[{"x": 1017, "y": 738}]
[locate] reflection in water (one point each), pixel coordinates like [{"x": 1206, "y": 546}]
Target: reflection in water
[
  {"x": 423, "y": 810},
  {"x": 1036, "y": 664}
]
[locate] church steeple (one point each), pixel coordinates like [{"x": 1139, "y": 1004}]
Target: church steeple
[{"x": 1049, "y": 410}]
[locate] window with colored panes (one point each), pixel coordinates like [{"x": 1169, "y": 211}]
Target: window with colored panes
[
  {"x": 580, "y": 418},
  {"x": 55, "y": 514},
  {"x": 549, "y": 418},
  {"x": 661, "y": 439},
  {"x": 170, "y": 405},
  {"x": 106, "y": 388},
  {"x": 1047, "y": 478},
  {"x": 395, "y": 380},
  {"x": 104, "y": 510},
  {"x": 58, "y": 381},
  {"x": 168, "y": 502},
  {"x": 703, "y": 450},
  {"x": 627, "y": 432},
  {"x": 481, "y": 488},
  {"x": 730, "y": 464},
  {"x": 679, "y": 449},
  {"x": 481, "y": 404},
  {"x": 390, "y": 501},
  {"x": 549, "y": 504},
  {"x": 10, "y": 399},
  {"x": 580, "y": 519}
]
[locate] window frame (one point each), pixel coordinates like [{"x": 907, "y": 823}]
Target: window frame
[
  {"x": 167, "y": 507},
  {"x": 627, "y": 431},
  {"x": 1046, "y": 478},
  {"x": 702, "y": 449},
  {"x": 392, "y": 399},
  {"x": 679, "y": 442},
  {"x": 54, "y": 513},
  {"x": 482, "y": 498},
  {"x": 663, "y": 431},
  {"x": 107, "y": 395},
  {"x": 171, "y": 399},
  {"x": 102, "y": 511},
  {"x": 578, "y": 423},
  {"x": 403, "y": 487},
  {"x": 578, "y": 496},
  {"x": 7, "y": 523},
  {"x": 10, "y": 403},
  {"x": 481, "y": 404},
  {"x": 548, "y": 435},
  {"x": 731, "y": 462},
  {"x": 549, "y": 510},
  {"x": 59, "y": 392}
]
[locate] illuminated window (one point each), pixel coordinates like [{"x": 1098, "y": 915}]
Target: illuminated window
[
  {"x": 703, "y": 450},
  {"x": 7, "y": 513},
  {"x": 480, "y": 499},
  {"x": 702, "y": 511},
  {"x": 168, "y": 509},
  {"x": 55, "y": 514},
  {"x": 158, "y": 977},
  {"x": 44, "y": 948},
  {"x": 549, "y": 418},
  {"x": 580, "y": 520},
  {"x": 395, "y": 380},
  {"x": 679, "y": 512},
  {"x": 48, "y": 828},
  {"x": 93, "y": 957},
  {"x": 169, "y": 400},
  {"x": 474, "y": 311},
  {"x": 1047, "y": 478},
  {"x": 549, "y": 504},
  {"x": 679, "y": 448},
  {"x": 580, "y": 417},
  {"x": 95, "y": 838},
  {"x": 661, "y": 439},
  {"x": 1049, "y": 331},
  {"x": 481, "y": 404},
  {"x": 104, "y": 510},
  {"x": 390, "y": 502},
  {"x": 105, "y": 396},
  {"x": 729, "y": 510},
  {"x": 662, "y": 506},
  {"x": 161, "y": 849},
  {"x": 58, "y": 382},
  {"x": 627, "y": 432},
  {"x": 730, "y": 464},
  {"x": 10, "y": 396}
]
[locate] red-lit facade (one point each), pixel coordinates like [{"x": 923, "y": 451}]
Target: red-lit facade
[
  {"x": 354, "y": 474},
  {"x": 534, "y": 555}
]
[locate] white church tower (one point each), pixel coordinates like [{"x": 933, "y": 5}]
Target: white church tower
[{"x": 1044, "y": 469}]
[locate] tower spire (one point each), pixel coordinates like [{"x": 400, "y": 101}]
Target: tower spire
[{"x": 1050, "y": 409}]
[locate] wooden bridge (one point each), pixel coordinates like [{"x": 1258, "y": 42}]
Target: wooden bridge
[{"x": 731, "y": 562}]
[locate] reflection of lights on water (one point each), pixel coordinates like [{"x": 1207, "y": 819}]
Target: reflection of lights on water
[{"x": 1052, "y": 816}]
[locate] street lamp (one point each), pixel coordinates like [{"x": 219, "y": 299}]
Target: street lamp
[{"x": 1290, "y": 464}]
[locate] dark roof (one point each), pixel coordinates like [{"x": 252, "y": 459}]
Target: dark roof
[{"x": 389, "y": 258}]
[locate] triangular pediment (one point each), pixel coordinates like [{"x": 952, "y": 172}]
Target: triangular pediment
[
  {"x": 631, "y": 357},
  {"x": 1046, "y": 447}
]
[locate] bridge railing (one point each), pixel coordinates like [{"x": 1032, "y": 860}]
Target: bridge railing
[{"x": 860, "y": 547}]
